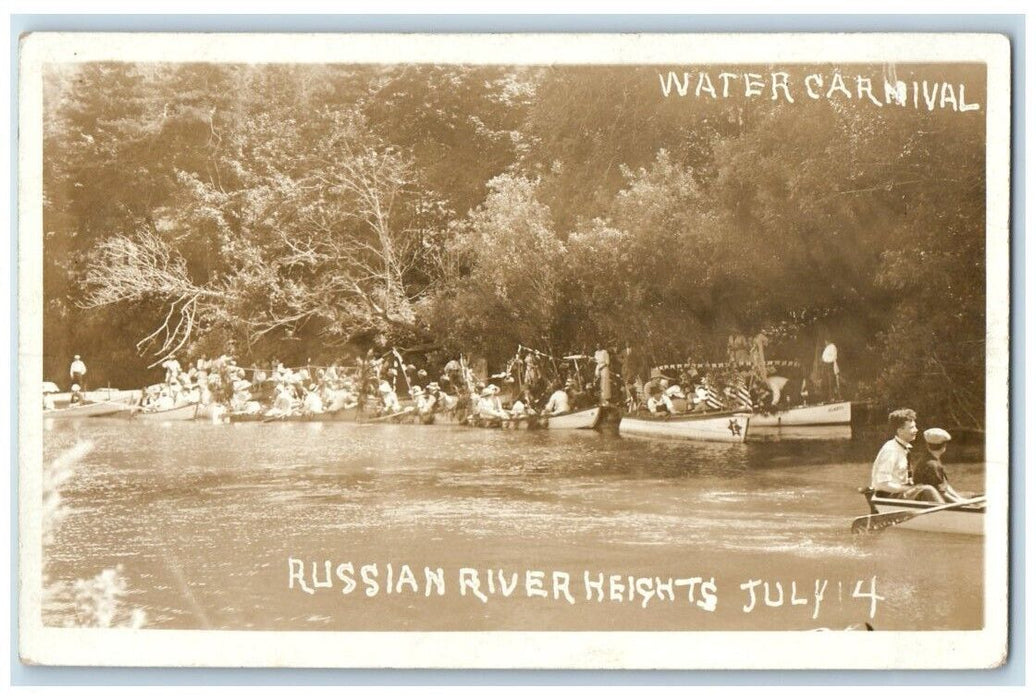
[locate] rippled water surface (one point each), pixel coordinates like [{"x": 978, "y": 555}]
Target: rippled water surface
[{"x": 209, "y": 522}]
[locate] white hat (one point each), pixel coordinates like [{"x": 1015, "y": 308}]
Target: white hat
[
  {"x": 416, "y": 391},
  {"x": 936, "y": 436},
  {"x": 76, "y": 357}
]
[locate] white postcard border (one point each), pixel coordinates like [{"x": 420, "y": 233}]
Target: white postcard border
[{"x": 557, "y": 650}]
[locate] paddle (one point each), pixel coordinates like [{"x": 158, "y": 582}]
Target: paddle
[
  {"x": 405, "y": 411},
  {"x": 875, "y": 522}
]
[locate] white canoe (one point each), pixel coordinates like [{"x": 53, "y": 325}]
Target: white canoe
[
  {"x": 960, "y": 520},
  {"x": 574, "y": 420},
  {"x": 822, "y": 414},
  {"x": 728, "y": 427},
  {"x": 87, "y": 410},
  {"x": 114, "y": 395},
  {"x": 178, "y": 413}
]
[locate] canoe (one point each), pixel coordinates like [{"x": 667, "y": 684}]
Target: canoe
[
  {"x": 959, "y": 520},
  {"x": 87, "y": 410},
  {"x": 346, "y": 414},
  {"x": 726, "y": 427},
  {"x": 177, "y": 413},
  {"x": 114, "y": 395},
  {"x": 821, "y": 414},
  {"x": 574, "y": 420},
  {"x": 522, "y": 423}
]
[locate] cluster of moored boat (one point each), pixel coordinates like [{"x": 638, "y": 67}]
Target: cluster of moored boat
[{"x": 726, "y": 426}]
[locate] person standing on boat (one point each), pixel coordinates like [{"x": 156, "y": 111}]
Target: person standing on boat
[
  {"x": 890, "y": 475},
  {"x": 929, "y": 469},
  {"x": 831, "y": 373},
  {"x": 77, "y": 371},
  {"x": 757, "y": 354}
]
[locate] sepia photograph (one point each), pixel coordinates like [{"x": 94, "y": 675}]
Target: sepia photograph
[{"x": 531, "y": 351}]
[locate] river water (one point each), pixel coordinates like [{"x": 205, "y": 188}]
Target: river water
[{"x": 235, "y": 526}]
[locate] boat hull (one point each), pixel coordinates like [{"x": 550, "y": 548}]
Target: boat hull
[
  {"x": 575, "y": 420},
  {"x": 179, "y": 413},
  {"x": 965, "y": 520},
  {"x": 87, "y": 410},
  {"x": 729, "y": 427},
  {"x": 823, "y": 414},
  {"x": 345, "y": 415}
]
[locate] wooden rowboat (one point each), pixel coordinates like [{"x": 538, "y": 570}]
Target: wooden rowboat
[
  {"x": 822, "y": 414},
  {"x": 177, "y": 413},
  {"x": 87, "y": 410},
  {"x": 959, "y": 520},
  {"x": 726, "y": 427}
]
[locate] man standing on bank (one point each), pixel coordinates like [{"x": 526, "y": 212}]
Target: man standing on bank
[
  {"x": 890, "y": 476},
  {"x": 77, "y": 372}
]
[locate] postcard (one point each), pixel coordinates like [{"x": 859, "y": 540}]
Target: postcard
[{"x": 658, "y": 351}]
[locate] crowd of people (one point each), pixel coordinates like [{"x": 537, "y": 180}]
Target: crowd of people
[
  {"x": 533, "y": 384},
  {"x": 372, "y": 384}
]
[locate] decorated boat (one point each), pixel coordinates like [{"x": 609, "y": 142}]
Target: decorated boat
[
  {"x": 703, "y": 427},
  {"x": 966, "y": 518},
  {"x": 177, "y": 413},
  {"x": 87, "y": 410},
  {"x": 821, "y": 414}
]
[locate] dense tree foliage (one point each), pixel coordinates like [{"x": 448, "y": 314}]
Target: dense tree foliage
[{"x": 299, "y": 210}]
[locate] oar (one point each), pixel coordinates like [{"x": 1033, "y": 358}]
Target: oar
[
  {"x": 405, "y": 411},
  {"x": 876, "y": 522}
]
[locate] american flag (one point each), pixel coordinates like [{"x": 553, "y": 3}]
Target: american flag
[
  {"x": 742, "y": 395},
  {"x": 712, "y": 399}
]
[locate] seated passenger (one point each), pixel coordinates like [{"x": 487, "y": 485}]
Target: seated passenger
[
  {"x": 389, "y": 400},
  {"x": 312, "y": 404},
  {"x": 165, "y": 401},
  {"x": 929, "y": 470},
  {"x": 658, "y": 402},
  {"x": 282, "y": 402},
  {"x": 557, "y": 403},
  {"x": 522, "y": 406},
  {"x": 489, "y": 405}
]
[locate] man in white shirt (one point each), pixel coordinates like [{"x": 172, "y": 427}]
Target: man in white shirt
[
  {"x": 557, "y": 403},
  {"x": 77, "y": 371},
  {"x": 890, "y": 475}
]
